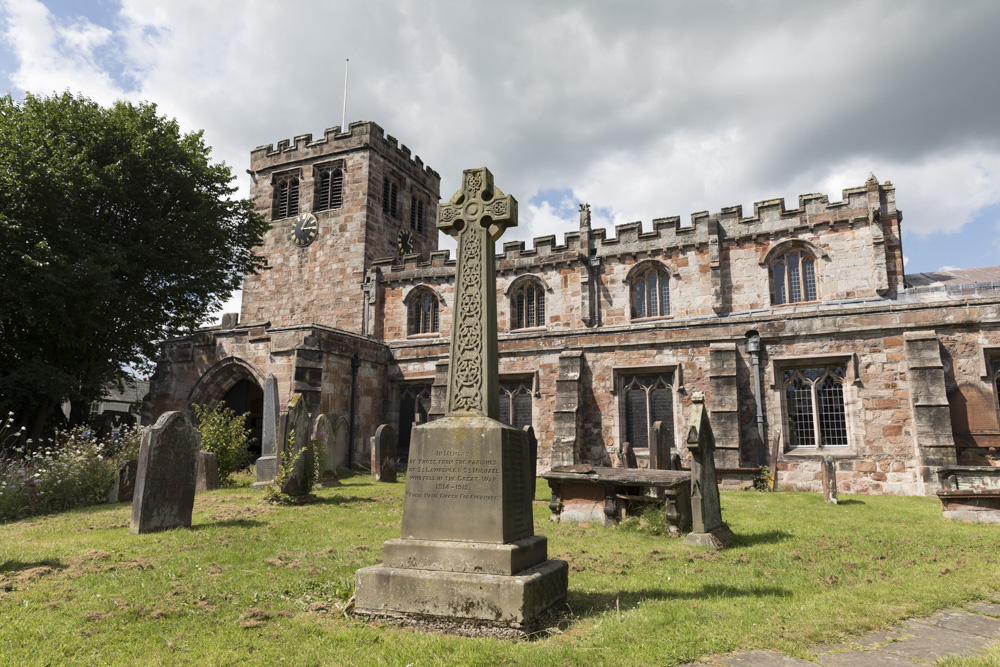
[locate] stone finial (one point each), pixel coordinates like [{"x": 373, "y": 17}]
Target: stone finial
[
  {"x": 584, "y": 215},
  {"x": 871, "y": 177}
]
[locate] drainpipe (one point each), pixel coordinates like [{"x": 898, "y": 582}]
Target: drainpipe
[
  {"x": 355, "y": 365},
  {"x": 753, "y": 348}
]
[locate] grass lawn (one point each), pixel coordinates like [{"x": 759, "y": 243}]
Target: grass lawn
[{"x": 258, "y": 584}]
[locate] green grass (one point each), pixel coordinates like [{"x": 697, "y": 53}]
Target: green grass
[{"x": 801, "y": 573}]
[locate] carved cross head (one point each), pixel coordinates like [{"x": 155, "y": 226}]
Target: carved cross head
[{"x": 479, "y": 204}]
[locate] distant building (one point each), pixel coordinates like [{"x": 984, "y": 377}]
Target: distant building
[{"x": 893, "y": 376}]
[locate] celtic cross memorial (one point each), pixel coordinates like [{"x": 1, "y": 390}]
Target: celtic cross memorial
[{"x": 468, "y": 548}]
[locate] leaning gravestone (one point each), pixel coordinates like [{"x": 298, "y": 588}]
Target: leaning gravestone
[
  {"x": 207, "y": 478},
  {"x": 626, "y": 456},
  {"x": 164, "y": 485},
  {"x": 829, "y": 480},
  {"x": 661, "y": 447},
  {"x": 532, "y": 449},
  {"x": 341, "y": 440},
  {"x": 267, "y": 464},
  {"x": 296, "y": 454},
  {"x": 323, "y": 438},
  {"x": 123, "y": 485},
  {"x": 468, "y": 548},
  {"x": 384, "y": 454},
  {"x": 707, "y": 528}
]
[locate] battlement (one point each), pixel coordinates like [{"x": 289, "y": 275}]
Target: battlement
[{"x": 335, "y": 140}]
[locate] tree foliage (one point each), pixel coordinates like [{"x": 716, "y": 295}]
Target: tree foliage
[
  {"x": 116, "y": 231},
  {"x": 224, "y": 433}
]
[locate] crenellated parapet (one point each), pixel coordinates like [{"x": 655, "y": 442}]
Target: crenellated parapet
[{"x": 359, "y": 135}]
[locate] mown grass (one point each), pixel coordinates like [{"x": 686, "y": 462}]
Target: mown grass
[{"x": 261, "y": 585}]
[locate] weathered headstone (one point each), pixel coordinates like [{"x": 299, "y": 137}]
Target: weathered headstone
[
  {"x": 323, "y": 438},
  {"x": 207, "y": 478},
  {"x": 829, "y": 480},
  {"x": 267, "y": 464},
  {"x": 293, "y": 426},
  {"x": 661, "y": 447},
  {"x": 626, "y": 456},
  {"x": 123, "y": 486},
  {"x": 532, "y": 449},
  {"x": 383, "y": 446},
  {"x": 468, "y": 548},
  {"x": 707, "y": 528},
  {"x": 164, "y": 486}
]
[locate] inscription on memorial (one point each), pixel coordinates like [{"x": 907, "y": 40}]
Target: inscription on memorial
[{"x": 452, "y": 476}]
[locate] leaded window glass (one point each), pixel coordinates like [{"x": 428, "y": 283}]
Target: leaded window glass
[
  {"x": 814, "y": 405},
  {"x": 793, "y": 278},
  {"x": 528, "y": 305},
  {"x": 422, "y": 314},
  {"x": 646, "y": 399},
  {"x": 515, "y": 403},
  {"x": 651, "y": 293}
]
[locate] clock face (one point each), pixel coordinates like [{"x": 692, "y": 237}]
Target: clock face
[
  {"x": 304, "y": 230},
  {"x": 404, "y": 241}
]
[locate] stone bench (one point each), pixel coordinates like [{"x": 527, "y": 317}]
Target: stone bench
[
  {"x": 970, "y": 493},
  {"x": 588, "y": 494}
]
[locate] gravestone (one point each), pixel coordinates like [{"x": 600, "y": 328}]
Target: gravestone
[
  {"x": 123, "y": 485},
  {"x": 707, "y": 528},
  {"x": 467, "y": 548},
  {"x": 661, "y": 447},
  {"x": 323, "y": 438},
  {"x": 532, "y": 449},
  {"x": 829, "y": 480},
  {"x": 293, "y": 425},
  {"x": 267, "y": 464},
  {"x": 626, "y": 456},
  {"x": 384, "y": 454},
  {"x": 207, "y": 478},
  {"x": 164, "y": 485}
]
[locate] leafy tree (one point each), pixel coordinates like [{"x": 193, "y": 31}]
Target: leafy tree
[{"x": 116, "y": 231}]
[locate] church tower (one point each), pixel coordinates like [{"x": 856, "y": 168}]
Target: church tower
[{"x": 335, "y": 205}]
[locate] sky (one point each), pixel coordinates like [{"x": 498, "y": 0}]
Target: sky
[{"x": 643, "y": 109}]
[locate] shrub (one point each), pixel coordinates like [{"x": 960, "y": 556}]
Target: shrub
[
  {"x": 71, "y": 470},
  {"x": 224, "y": 433}
]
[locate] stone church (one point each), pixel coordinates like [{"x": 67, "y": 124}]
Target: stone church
[{"x": 799, "y": 325}]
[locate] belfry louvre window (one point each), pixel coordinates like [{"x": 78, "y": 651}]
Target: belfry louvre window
[
  {"x": 527, "y": 306},
  {"x": 515, "y": 403},
  {"x": 417, "y": 214},
  {"x": 286, "y": 197},
  {"x": 646, "y": 399},
  {"x": 793, "y": 278},
  {"x": 814, "y": 405},
  {"x": 329, "y": 189},
  {"x": 422, "y": 314},
  {"x": 390, "y": 197},
  {"x": 651, "y": 294}
]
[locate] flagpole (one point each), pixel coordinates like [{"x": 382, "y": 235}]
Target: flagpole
[{"x": 343, "y": 120}]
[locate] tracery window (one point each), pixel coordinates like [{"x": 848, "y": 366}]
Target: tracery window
[
  {"x": 793, "y": 278},
  {"x": 515, "y": 403},
  {"x": 422, "y": 313},
  {"x": 651, "y": 293},
  {"x": 646, "y": 399},
  {"x": 417, "y": 214},
  {"x": 527, "y": 305},
  {"x": 329, "y": 188},
  {"x": 390, "y": 197},
  {"x": 814, "y": 406},
  {"x": 286, "y": 197}
]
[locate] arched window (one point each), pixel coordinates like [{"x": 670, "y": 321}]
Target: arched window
[
  {"x": 814, "y": 403},
  {"x": 515, "y": 403},
  {"x": 329, "y": 189},
  {"x": 286, "y": 197},
  {"x": 646, "y": 399},
  {"x": 527, "y": 305},
  {"x": 793, "y": 277},
  {"x": 651, "y": 293},
  {"x": 422, "y": 313}
]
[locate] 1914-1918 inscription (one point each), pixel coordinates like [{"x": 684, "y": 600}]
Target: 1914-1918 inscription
[{"x": 453, "y": 475}]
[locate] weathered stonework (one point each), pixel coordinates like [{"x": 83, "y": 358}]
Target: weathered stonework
[{"x": 347, "y": 294}]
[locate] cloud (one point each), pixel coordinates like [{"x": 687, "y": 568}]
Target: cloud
[{"x": 643, "y": 110}]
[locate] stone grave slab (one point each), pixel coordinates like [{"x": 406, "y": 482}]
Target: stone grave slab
[
  {"x": 383, "y": 454},
  {"x": 207, "y": 478},
  {"x": 467, "y": 548},
  {"x": 829, "y": 480},
  {"x": 165, "y": 477},
  {"x": 267, "y": 465},
  {"x": 707, "y": 528},
  {"x": 295, "y": 436},
  {"x": 323, "y": 438}
]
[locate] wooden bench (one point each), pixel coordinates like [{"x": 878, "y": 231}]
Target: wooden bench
[
  {"x": 588, "y": 494},
  {"x": 970, "y": 493}
]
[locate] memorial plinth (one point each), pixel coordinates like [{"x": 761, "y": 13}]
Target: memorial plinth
[{"x": 467, "y": 548}]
